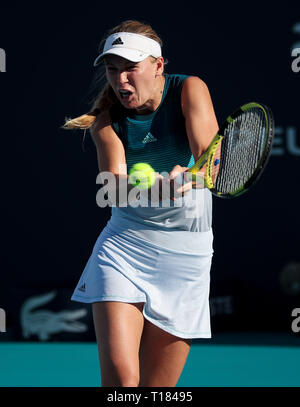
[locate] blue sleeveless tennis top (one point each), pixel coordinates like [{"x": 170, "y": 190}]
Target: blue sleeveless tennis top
[{"x": 160, "y": 140}]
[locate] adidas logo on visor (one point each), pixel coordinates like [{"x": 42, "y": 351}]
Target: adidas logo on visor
[
  {"x": 82, "y": 288},
  {"x": 131, "y": 46},
  {"x": 118, "y": 41}
]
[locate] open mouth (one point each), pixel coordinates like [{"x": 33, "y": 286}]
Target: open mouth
[{"x": 125, "y": 94}]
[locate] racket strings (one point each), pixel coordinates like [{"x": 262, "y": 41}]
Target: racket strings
[{"x": 241, "y": 150}]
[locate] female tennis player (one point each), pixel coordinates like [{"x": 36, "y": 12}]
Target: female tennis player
[{"x": 148, "y": 275}]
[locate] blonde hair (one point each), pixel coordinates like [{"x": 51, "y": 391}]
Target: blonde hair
[{"x": 106, "y": 98}]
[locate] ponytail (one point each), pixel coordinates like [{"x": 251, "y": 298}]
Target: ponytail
[{"x": 103, "y": 102}]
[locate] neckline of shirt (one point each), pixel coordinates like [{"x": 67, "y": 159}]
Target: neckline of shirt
[{"x": 143, "y": 117}]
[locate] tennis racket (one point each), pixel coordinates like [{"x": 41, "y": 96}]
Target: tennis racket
[{"x": 238, "y": 154}]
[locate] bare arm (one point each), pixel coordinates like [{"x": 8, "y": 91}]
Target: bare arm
[
  {"x": 200, "y": 119},
  {"x": 110, "y": 149},
  {"x": 200, "y": 123},
  {"x": 111, "y": 157}
]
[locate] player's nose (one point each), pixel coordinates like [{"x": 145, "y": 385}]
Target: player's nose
[{"x": 122, "y": 77}]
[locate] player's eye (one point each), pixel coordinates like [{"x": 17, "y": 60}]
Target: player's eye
[{"x": 131, "y": 67}]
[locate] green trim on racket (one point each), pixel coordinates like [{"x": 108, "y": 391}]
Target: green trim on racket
[{"x": 246, "y": 138}]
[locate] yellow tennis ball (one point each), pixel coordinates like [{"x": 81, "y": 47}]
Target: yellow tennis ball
[{"x": 142, "y": 175}]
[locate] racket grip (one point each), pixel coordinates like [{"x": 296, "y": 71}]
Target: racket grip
[{"x": 185, "y": 177}]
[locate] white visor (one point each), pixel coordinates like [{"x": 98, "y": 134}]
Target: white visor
[{"x": 131, "y": 46}]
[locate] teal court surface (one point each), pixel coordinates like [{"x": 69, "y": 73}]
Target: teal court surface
[{"x": 235, "y": 360}]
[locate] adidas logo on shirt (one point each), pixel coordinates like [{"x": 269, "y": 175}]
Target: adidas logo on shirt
[{"x": 149, "y": 138}]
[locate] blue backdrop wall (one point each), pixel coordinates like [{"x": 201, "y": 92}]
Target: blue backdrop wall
[{"x": 244, "y": 52}]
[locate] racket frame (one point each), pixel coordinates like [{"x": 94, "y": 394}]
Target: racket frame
[{"x": 207, "y": 157}]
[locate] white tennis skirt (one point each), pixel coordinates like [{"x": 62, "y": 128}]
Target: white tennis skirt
[{"x": 173, "y": 280}]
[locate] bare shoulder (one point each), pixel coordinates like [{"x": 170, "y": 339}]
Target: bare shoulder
[
  {"x": 194, "y": 81},
  {"x": 193, "y": 85},
  {"x": 101, "y": 128},
  {"x": 194, "y": 94},
  {"x": 102, "y": 120}
]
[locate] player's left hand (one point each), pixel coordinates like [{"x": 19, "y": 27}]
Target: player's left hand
[{"x": 180, "y": 182}]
